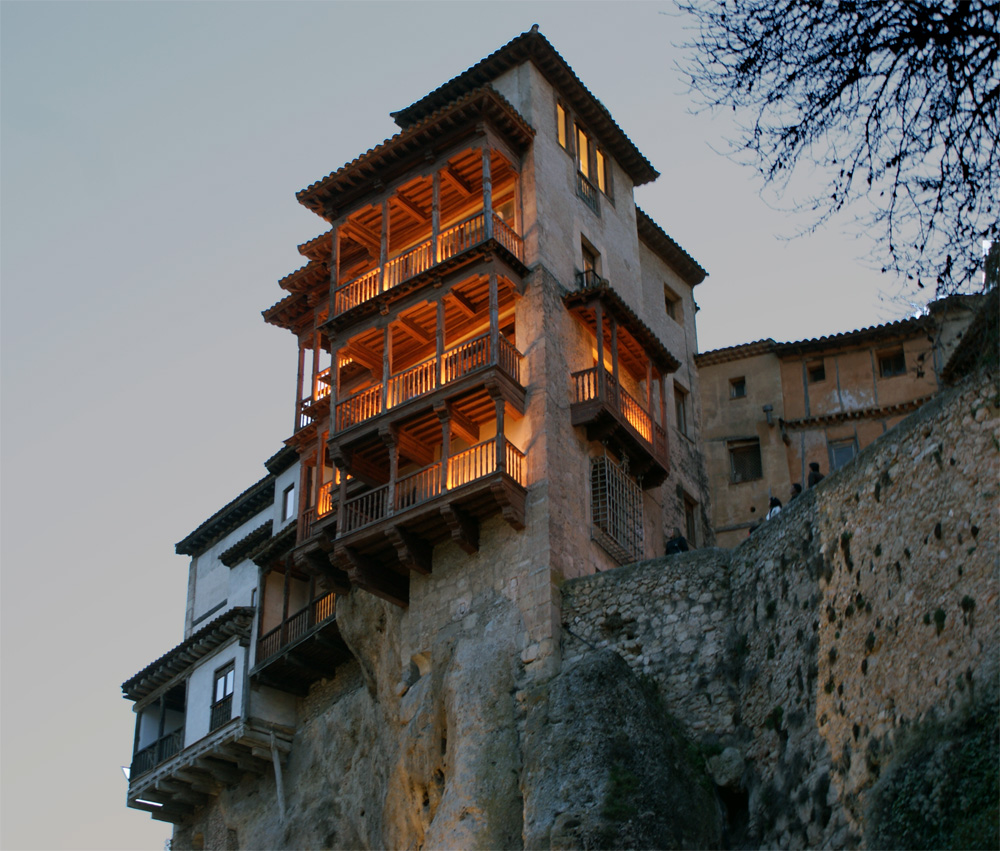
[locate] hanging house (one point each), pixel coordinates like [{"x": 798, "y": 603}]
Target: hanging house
[{"x": 495, "y": 349}]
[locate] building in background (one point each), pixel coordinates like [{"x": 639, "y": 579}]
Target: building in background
[
  {"x": 772, "y": 409},
  {"x": 496, "y": 351}
]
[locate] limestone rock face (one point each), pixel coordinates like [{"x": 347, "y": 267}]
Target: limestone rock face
[{"x": 606, "y": 768}]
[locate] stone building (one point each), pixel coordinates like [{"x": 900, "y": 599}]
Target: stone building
[
  {"x": 495, "y": 394},
  {"x": 771, "y": 409}
]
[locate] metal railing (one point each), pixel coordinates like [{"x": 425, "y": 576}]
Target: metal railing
[
  {"x": 161, "y": 750},
  {"x": 451, "y": 242},
  {"x": 296, "y": 626},
  {"x": 588, "y": 192},
  {"x": 221, "y": 713}
]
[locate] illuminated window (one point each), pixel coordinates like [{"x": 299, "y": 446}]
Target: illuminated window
[
  {"x": 603, "y": 173},
  {"x": 891, "y": 364},
  {"x": 681, "y": 408},
  {"x": 816, "y": 371},
  {"x": 737, "y": 388},
  {"x": 583, "y": 152},
  {"x": 288, "y": 503},
  {"x": 562, "y": 124},
  {"x": 744, "y": 461}
]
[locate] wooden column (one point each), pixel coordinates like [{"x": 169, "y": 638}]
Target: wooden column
[
  {"x": 320, "y": 467},
  {"x": 614, "y": 353},
  {"x": 383, "y": 255},
  {"x": 444, "y": 414},
  {"x": 317, "y": 348},
  {"x": 435, "y": 216},
  {"x": 494, "y": 318},
  {"x": 501, "y": 440},
  {"x": 663, "y": 401},
  {"x": 599, "y": 322},
  {"x": 163, "y": 716},
  {"x": 298, "y": 386},
  {"x": 138, "y": 730},
  {"x": 392, "y": 442},
  {"x": 487, "y": 193},
  {"x": 341, "y": 495},
  {"x": 649, "y": 389},
  {"x": 334, "y": 270},
  {"x": 386, "y": 356},
  {"x": 284, "y": 605},
  {"x": 439, "y": 343}
]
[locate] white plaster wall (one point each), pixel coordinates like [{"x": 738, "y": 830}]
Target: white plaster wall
[{"x": 201, "y": 684}]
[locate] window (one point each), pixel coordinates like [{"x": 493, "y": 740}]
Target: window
[
  {"x": 816, "y": 371},
  {"x": 842, "y": 451},
  {"x": 891, "y": 364},
  {"x": 222, "y": 700},
  {"x": 690, "y": 521},
  {"x": 673, "y": 304},
  {"x": 737, "y": 388},
  {"x": 288, "y": 502},
  {"x": 744, "y": 460},
  {"x": 616, "y": 510},
  {"x": 593, "y": 170},
  {"x": 583, "y": 152},
  {"x": 603, "y": 172},
  {"x": 562, "y": 125},
  {"x": 681, "y": 408}
]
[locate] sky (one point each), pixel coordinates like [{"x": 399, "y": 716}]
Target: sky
[{"x": 149, "y": 156}]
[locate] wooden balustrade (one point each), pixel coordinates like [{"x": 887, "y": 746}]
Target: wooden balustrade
[
  {"x": 412, "y": 382},
  {"x": 451, "y": 242},
  {"x": 514, "y": 465},
  {"x": 296, "y": 626},
  {"x": 510, "y": 359},
  {"x": 325, "y": 504},
  {"x": 464, "y": 358},
  {"x": 585, "y": 389},
  {"x": 415, "y": 488},
  {"x": 585, "y": 385},
  {"x": 359, "y": 407},
  {"x": 147, "y": 758},
  {"x": 474, "y": 463},
  {"x": 637, "y": 417},
  {"x": 365, "y": 509}
]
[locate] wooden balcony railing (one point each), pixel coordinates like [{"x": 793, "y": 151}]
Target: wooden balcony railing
[
  {"x": 419, "y": 487},
  {"x": 296, "y": 626},
  {"x": 456, "y": 363},
  {"x": 149, "y": 757},
  {"x": 310, "y": 515},
  {"x": 461, "y": 237},
  {"x": 320, "y": 391},
  {"x": 221, "y": 713},
  {"x": 622, "y": 403}
]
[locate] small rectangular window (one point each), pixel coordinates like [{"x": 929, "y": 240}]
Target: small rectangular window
[
  {"x": 222, "y": 696},
  {"x": 673, "y": 304},
  {"x": 816, "y": 371},
  {"x": 891, "y": 364},
  {"x": 562, "y": 122},
  {"x": 737, "y": 388},
  {"x": 681, "y": 408},
  {"x": 603, "y": 173},
  {"x": 744, "y": 461},
  {"x": 288, "y": 503},
  {"x": 583, "y": 152},
  {"x": 842, "y": 451}
]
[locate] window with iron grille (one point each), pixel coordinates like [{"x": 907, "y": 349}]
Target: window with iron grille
[
  {"x": 616, "y": 510},
  {"x": 891, "y": 364},
  {"x": 744, "y": 460}
]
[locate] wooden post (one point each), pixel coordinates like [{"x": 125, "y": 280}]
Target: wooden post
[
  {"x": 298, "y": 386},
  {"x": 341, "y": 496},
  {"x": 334, "y": 270},
  {"x": 439, "y": 343},
  {"x": 614, "y": 357},
  {"x": 663, "y": 402},
  {"x": 487, "y": 193},
  {"x": 435, "y": 216},
  {"x": 317, "y": 348},
  {"x": 501, "y": 438},
  {"x": 391, "y": 441},
  {"x": 135, "y": 741},
  {"x": 444, "y": 414},
  {"x": 649, "y": 390},
  {"x": 599, "y": 321},
  {"x": 383, "y": 255},
  {"x": 163, "y": 718},
  {"x": 494, "y": 319},
  {"x": 386, "y": 355}
]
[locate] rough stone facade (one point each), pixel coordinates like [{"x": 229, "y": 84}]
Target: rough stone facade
[{"x": 786, "y": 668}]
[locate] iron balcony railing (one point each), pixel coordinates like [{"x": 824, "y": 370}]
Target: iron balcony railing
[
  {"x": 420, "y": 258},
  {"x": 428, "y": 375},
  {"x": 588, "y": 192},
  {"x": 414, "y": 489},
  {"x": 147, "y": 758},
  {"x": 296, "y": 626},
  {"x": 222, "y": 712}
]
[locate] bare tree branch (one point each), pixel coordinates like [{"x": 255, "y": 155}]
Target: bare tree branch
[{"x": 895, "y": 102}]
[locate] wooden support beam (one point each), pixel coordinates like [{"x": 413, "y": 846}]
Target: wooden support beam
[
  {"x": 375, "y": 579},
  {"x": 198, "y": 782},
  {"x": 364, "y": 355},
  {"x": 464, "y": 529},
  {"x": 415, "y": 331},
  {"x": 456, "y": 180},
  {"x": 414, "y": 553},
  {"x": 222, "y": 771},
  {"x": 416, "y": 451},
  {"x": 412, "y": 208},
  {"x": 464, "y": 304},
  {"x": 360, "y": 233},
  {"x": 464, "y": 427}
]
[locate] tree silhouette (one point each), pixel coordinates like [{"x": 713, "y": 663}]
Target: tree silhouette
[{"x": 894, "y": 102}]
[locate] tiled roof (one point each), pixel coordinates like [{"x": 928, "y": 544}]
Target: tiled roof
[
  {"x": 237, "y": 621},
  {"x": 534, "y": 47},
  {"x": 247, "y": 545},
  {"x": 232, "y": 515},
  {"x": 382, "y": 163},
  {"x": 888, "y": 330},
  {"x": 874, "y": 412},
  {"x": 657, "y": 239},
  {"x": 730, "y": 353},
  {"x": 281, "y": 460},
  {"x": 279, "y": 545},
  {"x": 319, "y": 247}
]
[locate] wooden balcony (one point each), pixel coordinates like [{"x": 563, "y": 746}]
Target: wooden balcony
[
  {"x": 170, "y": 782},
  {"x": 316, "y": 406},
  {"x": 387, "y": 282},
  {"x": 611, "y": 413},
  {"x": 302, "y": 649},
  {"x": 466, "y": 359},
  {"x": 384, "y": 533}
]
